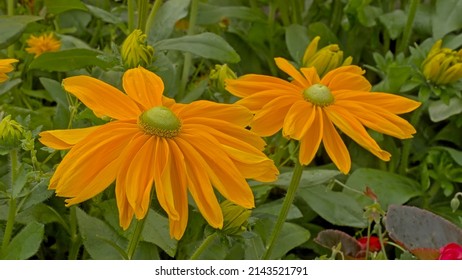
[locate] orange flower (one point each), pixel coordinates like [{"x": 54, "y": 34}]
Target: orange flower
[
  {"x": 307, "y": 109},
  {"x": 6, "y": 67},
  {"x": 152, "y": 139},
  {"x": 41, "y": 44}
]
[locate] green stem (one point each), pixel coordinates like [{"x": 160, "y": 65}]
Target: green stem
[
  {"x": 336, "y": 16},
  {"x": 408, "y": 28},
  {"x": 142, "y": 14},
  {"x": 204, "y": 245},
  {"x": 12, "y": 206},
  {"x": 406, "y": 150},
  {"x": 10, "y": 12},
  {"x": 131, "y": 15},
  {"x": 135, "y": 238},
  {"x": 296, "y": 176},
  {"x": 368, "y": 239},
  {"x": 187, "y": 56},
  {"x": 152, "y": 16},
  {"x": 382, "y": 244},
  {"x": 75, "y": 237}
]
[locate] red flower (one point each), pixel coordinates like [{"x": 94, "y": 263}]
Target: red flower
[
  {"x": 374, "y": 244},
  {"x": 451, "y": 251}
]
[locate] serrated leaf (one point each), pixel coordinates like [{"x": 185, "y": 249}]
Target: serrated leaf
[
  {"x": 25, "y": 244},
  {"x": 74, "y": 59},
  {"x": 11, "y": 28},
  {"x": 207, "y": 45},
  {"x": 156, "y": 230}
]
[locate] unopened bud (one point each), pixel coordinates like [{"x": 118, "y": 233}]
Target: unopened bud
[
  {"x": 135, "y": 50},
  {"x": 235, "y": 217}
]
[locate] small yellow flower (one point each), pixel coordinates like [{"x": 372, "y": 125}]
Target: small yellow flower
[
  {"x": 219, "y": 74},
  {"x": 42, "y": 44},
  {"x": 325, "y": 59},
  {"x": 309, "y": 108},
  {"x": 442, "y": 65},
  {"x": 154, "y": 142},
  {"x": 135, "y": 51},
  {"x": 6, "y": 67}
]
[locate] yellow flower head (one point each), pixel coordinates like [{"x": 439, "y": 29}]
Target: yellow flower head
[
  {"x": 442, "y": 65},
  {"x": 309, "y": 108},
  {"x": 6, "y": 67},
  {"x": 325, "y": 59},
  {"x": 154, "y": 141},
  {"x": 42, "y": 44},
  {"x": 219, "y": 74},
  {"x": 135, "y": 51}
]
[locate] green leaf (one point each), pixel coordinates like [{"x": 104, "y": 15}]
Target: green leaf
[
  {"x": 164, "y": 22},
  {"x": 74, "y": 59},
  {"x": 394, "y": 22},
  {"x": 56, "y": 91},
  {"x": 99, "y": 239},
  {"x": 211, "y": 14},
  {"x": 291, "y": 236},
  {"x": 297, "y": 40},
  {"x": 440, "y": 111},
  {"x": 6, "y": 86},
  {"x": 59, "y": 6},
  {"x": 103, "y": 15},
  {"x": 11, "y": 28},
  {"x": 25, "y": 244},
  {"x": 274, "y": 208},
  {"x": 416, "y": 228},
  {"x": 310, "y": 177},
  {"x": 156, "y": 230},
  {"x": 446, "y": 17},
  {"x": 338, "y": 208},
  {"x": 207, "y": 45},
  {"x": 390, "y": 188},
  {"x": 455, "y": 154}
]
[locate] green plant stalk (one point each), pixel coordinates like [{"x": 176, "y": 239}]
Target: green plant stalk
[
  {"x": 204, "y": 245},
  {"x": 288, "y": 200},
  {"x": 12, "y": 205},
  {"x": 152, "y": 15},
  {"x": 10, "y": 12},
  {"x": 142, "y": 14},
  {"x": 408, "y": 28},
  {"x": 131, "y": 15},
  {"x": 368, "y": 239},
  {"x": 187, "y": 56},
  {"x": 407, "y": 143},
  {"x": 336, "y": 16},
  {"x": 75, "y": 237},
  {"x": 382, "y": 243},
  {"x": 135, "y": 238}
]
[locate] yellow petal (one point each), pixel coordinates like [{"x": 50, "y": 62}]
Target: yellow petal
[
  {"x": 251, "y": 84},
  {"x": 258, "y": 100},
  {"x": 91, "y": 165},
  {"x": 309, "y": 143},
  {"x": 311, "y": 75},
  {"x": 144, "y": 87},
  {"x": 341, "y": 71},
  {"x": 199, "y": 184},
  {"x": 179, "y": 184},
  {"x": 346, "y": 81},
  {"x": 270, "y": 118},
  {"x": 65, "y": 138},
  {"x": 290, "y": 70},
  {"x": 103, "y": 99},
  {"x": 298, "y": 119},
  {"x": 335, "y": 147}
]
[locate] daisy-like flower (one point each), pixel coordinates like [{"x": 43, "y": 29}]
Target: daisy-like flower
[
  {"x": 154, "y": 141},
  {"x": 6, "y": 67},
  {"x": 43, "y": 43},
  {"x": 309, "y": 108}
]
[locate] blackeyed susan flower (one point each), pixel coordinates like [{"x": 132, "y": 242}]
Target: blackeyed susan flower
[
  {"x": 154, "y": 141},
  {"x": 307, "y": 109},
  {"x": 42, "y": 44},
  {"x": 6, "y": 67}
]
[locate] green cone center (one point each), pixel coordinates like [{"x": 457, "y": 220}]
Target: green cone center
[
  {"x": 160, "y": 121},
  {"x": 319, "y": 95}
]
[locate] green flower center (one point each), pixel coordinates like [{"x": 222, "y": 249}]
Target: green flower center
[
  {"x": 319, "y": 95},
  {"x": 160, "y": 121}
]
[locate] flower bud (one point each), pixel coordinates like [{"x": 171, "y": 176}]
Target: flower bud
[
  {"x": 455, "y": 203},
  {"x": 135, "y": 50},
  {"x": 325, "y": 59},
  {"x": 442, "y": 65},
  {"x": 11, "y": 133},
  {"x": 234, "y": 217},
  {"x": 219, "y": 74}
]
